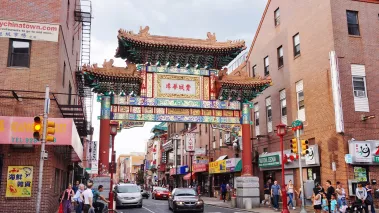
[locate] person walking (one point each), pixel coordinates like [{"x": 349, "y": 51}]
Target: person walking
[
  {"x": 341, "y": 195},
  {"x": 290, "y": 191},
  {"x": 317, "y": 200},
  {"x": 275, "y": 193},
  {"x": 88, "y": 198},
  {"x": 223, "y": 191},
  {"x": 267, "y": 192},
  {"x": 361, "y": 194},
  {"x": 329, "y": 192},
  {"x": 76, "y": 186},
  {"x": 79, "y": 199},
  {"x": 66, "y": 199},
  {"x": 370, "y": 198}
]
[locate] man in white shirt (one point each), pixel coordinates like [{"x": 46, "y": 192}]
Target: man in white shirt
[{"x": 88, "y": 195}]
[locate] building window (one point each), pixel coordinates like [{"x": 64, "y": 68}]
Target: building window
[
  {"x": 300, "y": 101},
  {"x": 269, "y": 114},
  {"x": 280, "y": 56},
  {"x": 296, "y": 45},
  {"x": 265, "y": 149},
  {"x": 256, "y": 119},
  {"x": 277, "y": 17},
  {"x": 283, "y": 107},
  {"x": 64, "y": 74},
  {"x": 68, "y": 13},
  {"x": 358, "y": 73},
  {"x": 69, "y": 93},
  {"x": 266, "y": 63},
  {"x": 254, "y": 70},
  {"x": 359, "y": 86},
  {"x": 19, "y": 53},
  {"x": 352, "y": 22}
]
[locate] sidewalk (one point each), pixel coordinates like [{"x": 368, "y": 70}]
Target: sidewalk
[{"x": 220, "y": 203}]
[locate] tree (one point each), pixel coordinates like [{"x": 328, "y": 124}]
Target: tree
[{"x": 140, "y": 177}]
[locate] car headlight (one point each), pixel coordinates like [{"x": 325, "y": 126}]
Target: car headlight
[
  {"x": 179, "y": 203},
  {"x": 199, "y": 202}
]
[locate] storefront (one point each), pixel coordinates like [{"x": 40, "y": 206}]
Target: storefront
[
  {"x": 177, "y": 176},
  {"x": 270, "y": 164},
  {"x": 364, "y": 160},
  {"x": 199, "y": 176}
]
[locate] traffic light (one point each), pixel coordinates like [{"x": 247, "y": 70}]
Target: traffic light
[
  {"x": 50, "y": 131},
  {"x": 293, "y": 145},
  {"x": 38, "y": 128},
  {"x": 304, "y": 147}
]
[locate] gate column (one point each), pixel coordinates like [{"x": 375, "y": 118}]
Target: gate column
[
  {"x": 247, "y": 185},
  {"x": 105, "y": 133}
]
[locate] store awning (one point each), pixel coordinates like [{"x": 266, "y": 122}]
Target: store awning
[
  {"x": 222, "y": 157},
  {"x": 238, "y": 167},
  {"x": 188, "y": 176}
]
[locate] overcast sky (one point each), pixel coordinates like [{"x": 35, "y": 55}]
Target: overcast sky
[{"x": 229, "y": 19}]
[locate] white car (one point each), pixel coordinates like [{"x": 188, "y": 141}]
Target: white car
[{"x": 128, "y": 195}]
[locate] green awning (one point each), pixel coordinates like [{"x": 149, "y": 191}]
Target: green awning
[{"x": 238, "y": 167}]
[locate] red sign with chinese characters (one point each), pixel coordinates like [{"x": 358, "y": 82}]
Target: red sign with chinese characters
[{"x": 200, "y": 167}]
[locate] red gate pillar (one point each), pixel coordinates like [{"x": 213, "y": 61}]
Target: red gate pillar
[
  {"x": 247, "y": 158},
  {"x": 105, "y": 133}
]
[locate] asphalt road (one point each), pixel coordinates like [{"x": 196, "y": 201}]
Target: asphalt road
[{"x": 161, "y": 206}]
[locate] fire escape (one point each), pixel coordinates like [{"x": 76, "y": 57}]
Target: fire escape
[{"x": 83, "y": 17}]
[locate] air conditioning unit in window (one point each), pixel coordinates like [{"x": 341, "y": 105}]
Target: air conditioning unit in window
[{"x": 360, "y": 93}]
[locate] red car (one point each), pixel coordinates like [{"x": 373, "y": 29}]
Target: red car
[{"x": 160, "y": 193}]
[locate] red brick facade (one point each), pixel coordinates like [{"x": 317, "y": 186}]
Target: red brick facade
[
  {"x": 47, "y": 60},
  {"x": 322, "y": 26}
]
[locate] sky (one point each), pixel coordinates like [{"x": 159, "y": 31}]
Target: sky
[{"x": 229, "y": 19}]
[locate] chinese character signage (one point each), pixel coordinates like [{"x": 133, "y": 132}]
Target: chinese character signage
[
  {"x": 177, "y": 86},
  {"x": 269, "y": 161},
  {"x": 217, "y": 167},
  {"x": 19, "y": 181},
  {"x": 93, "y": 150},
  {"x": 364, "y": 151},
  {"x": 190, "y": 142},
  {"x": 28, "y": 30}
]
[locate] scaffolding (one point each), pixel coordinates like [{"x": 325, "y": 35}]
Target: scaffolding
[{"x": 83, "y": 17}]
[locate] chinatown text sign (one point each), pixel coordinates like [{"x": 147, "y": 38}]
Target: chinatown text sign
[
  {"x": 19, "y": 181},
  {"x": 190, "y": 142},
  {"x": 28, "y": 30}
]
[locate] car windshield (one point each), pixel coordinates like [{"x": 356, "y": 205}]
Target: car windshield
[
  {"x": 159, "y": 189},
  {"x": 162, "y": 190},
  {"x": 185, "y": 192},
  {"x": 128, "y": 189}
]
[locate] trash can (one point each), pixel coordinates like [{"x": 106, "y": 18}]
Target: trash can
[{"x": 233, "y": 204}]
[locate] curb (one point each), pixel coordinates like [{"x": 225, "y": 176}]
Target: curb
[{"x": 227, "y": 207}]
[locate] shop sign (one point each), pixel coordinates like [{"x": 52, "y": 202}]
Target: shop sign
[
  {"x": 376, "y": 159},
  {"x": 93, "y": 150},
  {"x": 19, "y": 181},
  {"x": 348, "y": 158},
  {"x": 217, "y": 167},
  {"x": 362, "y": 152},
  {"x": 310, "y": 158},
  {"x": 199, "y": 167},
  {"x": 200, "y": 151},
  {"x": 231, "y": 164},
  {"x": 360, "y": 174},
  {"x": 269, "y": 161},
  {"x": 190, "y": 142}
]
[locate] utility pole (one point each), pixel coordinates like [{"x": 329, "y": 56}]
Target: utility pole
[
  {"x": 175, "y": 157},
  {"x": 43, "y": 152},
  {"x": 301, "y": 171}
]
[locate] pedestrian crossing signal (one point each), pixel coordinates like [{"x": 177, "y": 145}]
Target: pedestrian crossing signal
[
  {"x": 37, "y": 127},
  {"x": 293, "y": 145}
]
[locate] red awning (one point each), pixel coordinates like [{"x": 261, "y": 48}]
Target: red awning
[{"x": 188, "y": 176}]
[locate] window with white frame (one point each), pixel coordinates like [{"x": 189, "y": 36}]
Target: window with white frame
[
  {"x": 269, "y": 114},
  {"x": 358, "y": 73},
  {"x": 300, "y": 101},
  {"x": 256, "y": 119},
  {"x": 296, "y": 45},
  {"x": 283, "y": 106},
  {"x": 280, "y": 56},
  {"x": 277, "y": 17}
]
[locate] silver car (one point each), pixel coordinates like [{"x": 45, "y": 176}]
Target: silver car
[{"x": 127, "y": 195}]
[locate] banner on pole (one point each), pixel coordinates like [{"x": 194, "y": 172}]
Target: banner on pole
[{"x": 190, "y": 142}]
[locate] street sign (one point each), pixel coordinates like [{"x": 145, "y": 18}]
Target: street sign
[{"x": 190, "y": 142}]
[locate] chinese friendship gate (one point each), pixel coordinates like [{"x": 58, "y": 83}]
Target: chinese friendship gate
[{"x": 171, "y": 79}]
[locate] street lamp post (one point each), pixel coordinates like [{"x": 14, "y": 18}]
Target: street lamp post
[
  {"x": 175, "y": 159},
  {"x": 191, "y": 178},
  {"x": 281, "y": 131},
  {"x": 113, "y": 131}
]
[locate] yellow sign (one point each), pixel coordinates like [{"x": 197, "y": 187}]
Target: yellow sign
[
  {"x": 217, "y": 167},
  {"x": 19, "y": 181}
]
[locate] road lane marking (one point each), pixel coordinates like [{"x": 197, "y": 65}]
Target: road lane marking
[{"x": 148, "y": 209}]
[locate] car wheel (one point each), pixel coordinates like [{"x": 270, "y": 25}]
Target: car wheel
[{"x": 140, "y": 206}]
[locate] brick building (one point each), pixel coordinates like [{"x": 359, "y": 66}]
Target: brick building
[
  {"x": 335, "y": 96},
  {"x": 41, "y": 45}
]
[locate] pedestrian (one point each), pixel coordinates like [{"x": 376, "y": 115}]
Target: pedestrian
[
  {"x": 223, "y": 191},
  {"x": 267, "y": 193},
  {"x": 97, "y": 197},
  {"x": 361, "y": 194},
  {"x": 199, "y": 189},
  {"x": 290, "y": 191},
  {"x": 88, "y": 198},
  {"x": 370, "y": 198},
  {"x": 66, "y": 199},
  {"x": 76, "y": 186},
  {"x": 275, "y": 193},
  {"x": 227, "y": 191},
  {"x": 341, "y": 195},
  {"x": 317, "y": 200},
  {"x": 333, "y": 204},
  {"x": 79, "y": 199},
  {"x": 329, "y": 191},
  {"x": 324, "y": 204}
]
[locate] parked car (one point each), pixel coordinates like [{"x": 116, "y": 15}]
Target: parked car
[
  {"x": 128, "y": 195},
  {"x": 185, "y": 199},
  {"x": 160, "y": 193}
]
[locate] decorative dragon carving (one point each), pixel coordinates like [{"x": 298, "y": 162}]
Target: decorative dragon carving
[
  {"x": 144, "y": 32},
  {"x": 211, "y": 37},
  {"x": 108, "y": 64}
]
